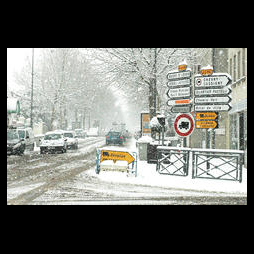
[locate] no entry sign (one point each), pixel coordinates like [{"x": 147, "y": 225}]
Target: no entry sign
[{"x": 184, "y": 125}]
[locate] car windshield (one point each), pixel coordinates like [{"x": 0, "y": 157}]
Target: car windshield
[
  {"x": 21, "y": 133},
  {"x": 114, "y": 134},
  {"x": 54, "y": 136},
  {"x": 12, "y": 135},
  {"x": 68, "y": 135}
]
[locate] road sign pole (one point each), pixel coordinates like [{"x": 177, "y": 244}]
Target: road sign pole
[
  {"x": 184, "y": 142},
  {"x": 163, "y": 128},
  {"x": 207, "y": 146}
]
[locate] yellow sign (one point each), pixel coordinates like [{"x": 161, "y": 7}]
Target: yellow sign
[
  {"x": 206, "y": 72},
  {"x": 206, "y": 115},
  {"x": 116, "y": 155},
  {"x": 145, "y": 123},
  {"x": 182, "y": 67},
  {"x": 206, "y": 124}
]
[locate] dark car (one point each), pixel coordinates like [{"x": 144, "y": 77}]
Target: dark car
[
  {"x": 114, "y": 137},
  {"x": 15, "y": 144}
]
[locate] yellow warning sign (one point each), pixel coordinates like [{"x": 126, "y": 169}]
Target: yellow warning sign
[
  {"x": 116, "y": 155},
  {"x": 206, "y": 124},
  {"x": 206, "y": 115}
]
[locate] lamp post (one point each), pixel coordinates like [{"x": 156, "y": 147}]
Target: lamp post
[{"x": 31, "y": 115}]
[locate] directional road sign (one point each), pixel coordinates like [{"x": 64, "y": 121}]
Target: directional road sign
[
  {"x": 179, "y": 92},
  {"x": 116, "y": 155},
  {"x": 224, "y": 107},
  {"x": 212, "y": 81},
  {"x": 179, "y": 75},
  {"x": 212, "y": 100},
  {"x": 206, "y": 124},
  {"x": 178, "y": 102},
  {"x": 181, "y": 82},
  {"x": 205, "y": 92},
  {"x": 181, "y": 109},
  {"x": 206, "y": 115}
]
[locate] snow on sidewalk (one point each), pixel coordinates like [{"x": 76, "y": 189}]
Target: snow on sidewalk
[{"x": 147, "y": 175}]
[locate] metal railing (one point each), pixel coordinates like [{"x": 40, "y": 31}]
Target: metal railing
[
  {"x": 173, "y": 160},
  {"x": 206, "y": 163},
  {"x": 217, "y": 164}
]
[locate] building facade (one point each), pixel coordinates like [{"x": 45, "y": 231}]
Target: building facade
[
  {"x": 232, "y": 131},
  {"x": 237, "y": 68}
]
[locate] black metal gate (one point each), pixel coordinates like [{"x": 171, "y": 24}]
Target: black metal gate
[
  {"x": 206, "y": 163},
  {"x": 217, "y": 164},
  {"x": 173, "y": 160}
]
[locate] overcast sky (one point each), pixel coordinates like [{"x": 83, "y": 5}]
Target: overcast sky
[{"x": 15, "y": 61}]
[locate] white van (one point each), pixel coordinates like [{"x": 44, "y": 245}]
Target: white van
[{"x": 27, "y": 134}]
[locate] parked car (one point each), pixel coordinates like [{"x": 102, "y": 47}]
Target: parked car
[
  {"x": 28, "y": 135},
  {"x": 15, "y": 144},
  {"x": 80, "y": 133},
  {"x": 53, "y": 141},
  {"x": 114, "y": 137},
  {"x": 72, "y": 140}
]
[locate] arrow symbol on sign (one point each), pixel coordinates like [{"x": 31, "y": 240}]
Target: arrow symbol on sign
[
  {"x": 214, "y": 80},
  {"x": 179, "y": 92},
  {"x": 205, "y": 92},
  {"x": 205, "y": 100},
  {"x": 224, "y": 107},
  {"x": 206, "y": 124},
  {"x": 116, "y": 155}
]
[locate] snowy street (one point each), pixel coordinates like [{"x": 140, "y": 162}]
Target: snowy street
[
  {"x": 70, "y": 178},
  {"x": 127, "y": 126}
]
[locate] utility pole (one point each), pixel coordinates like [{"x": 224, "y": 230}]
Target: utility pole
[
  {"x": 154, "y": 89},
  {"x": 32, "y": 88}
]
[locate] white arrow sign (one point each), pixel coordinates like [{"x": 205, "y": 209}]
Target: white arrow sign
[
  {"x": 179, "y": 75},
  {"x": 181, "y": 82},
  {"x": 214, "y": 80},
  {"x": 179, "y": 92},
  {"x": 204, "y": 92},
  {"x": 205, "y": 100},
  {"x": 212, "y": 107},
  {"x": 179, "y": 102}
]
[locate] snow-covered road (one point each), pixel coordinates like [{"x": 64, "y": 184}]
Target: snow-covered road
[{"x": 63, "y": 179}]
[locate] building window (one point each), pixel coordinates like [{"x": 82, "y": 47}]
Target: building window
[
  {"x": 239, "y": 65},
  {"x": 234, "y": 131},
  {"x": 243, "y": 62}
]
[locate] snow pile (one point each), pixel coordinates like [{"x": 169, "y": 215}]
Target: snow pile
[
  {"x": 154, "y": 123},
  {"x": 145, "y": 139},
  {"x": 147, "y": 175},
  {"x": 110, "y": 165}
]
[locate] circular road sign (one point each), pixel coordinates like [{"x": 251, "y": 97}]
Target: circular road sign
[
  {"x": 198, "y": 82},
  {"x": 184, "y": 125}
]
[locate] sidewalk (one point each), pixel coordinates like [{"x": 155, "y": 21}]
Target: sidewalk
[{"x": 147, "y": 175}]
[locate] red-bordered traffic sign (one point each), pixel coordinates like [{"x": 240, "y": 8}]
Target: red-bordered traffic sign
[{"x": 184, "y": 125}]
